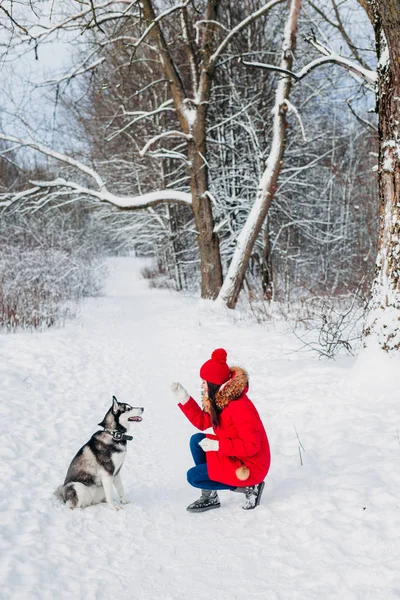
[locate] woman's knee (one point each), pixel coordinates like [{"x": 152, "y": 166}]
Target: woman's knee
[{"x": 193, "y": 477}]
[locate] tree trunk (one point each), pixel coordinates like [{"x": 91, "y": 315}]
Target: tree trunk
[
  {"x": 210, "y": 258},
  {"x": 193, "y": 122},
  {"x": 266, "y": 265},
  {"x": 210, "y": 261},
  {"x": 383, "y": 316},
  {"x": 266, "y": 190}
]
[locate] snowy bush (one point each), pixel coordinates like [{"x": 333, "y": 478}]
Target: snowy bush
[
  {"x": 329, "y": 326},
  {"x": 46, "y": 267},
  {"x": 326, "y": 325},
  {"x": 158, "y": 277}
]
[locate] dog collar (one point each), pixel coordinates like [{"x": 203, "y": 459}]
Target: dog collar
[{"x": 118, "y": 435}]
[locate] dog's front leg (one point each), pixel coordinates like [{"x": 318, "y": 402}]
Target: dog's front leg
[
  {"x": 107, "y": 481},
  {"x": 120, "y": 489}
]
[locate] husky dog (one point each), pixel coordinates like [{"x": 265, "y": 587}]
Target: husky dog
[{"x": 96, "y": 467}]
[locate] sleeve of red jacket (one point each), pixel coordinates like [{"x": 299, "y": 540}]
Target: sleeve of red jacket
[
  {"x": 195, "y": 414},
  {"x": 248, "y": 440}
]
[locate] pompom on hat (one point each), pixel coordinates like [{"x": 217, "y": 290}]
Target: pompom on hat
[{"x": 216, "y": 370}]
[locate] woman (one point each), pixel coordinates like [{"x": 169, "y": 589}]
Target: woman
[{"x": 237, "y": 457}]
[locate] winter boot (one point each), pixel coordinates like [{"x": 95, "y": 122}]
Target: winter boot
[
  {"x": 208, "y": 500},
  {"x": 253, "y": 495}
]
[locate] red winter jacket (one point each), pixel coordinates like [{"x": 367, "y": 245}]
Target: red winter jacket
[{"x": 241, "y": 434}]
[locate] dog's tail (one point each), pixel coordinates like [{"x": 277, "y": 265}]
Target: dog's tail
[
  {"x": 60, "y": 493},
  {"x": 68, "y": 494}
]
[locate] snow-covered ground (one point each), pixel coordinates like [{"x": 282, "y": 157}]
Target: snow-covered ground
[{"x": 327, "y": 529}]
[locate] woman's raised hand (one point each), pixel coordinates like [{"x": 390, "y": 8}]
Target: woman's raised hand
[{"x": 179, "y": 392}]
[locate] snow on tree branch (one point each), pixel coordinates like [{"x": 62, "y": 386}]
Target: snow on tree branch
[
  {"x": 102, "y": 194},
  {"x": 71, "y": 21},
  {"x": 78, "y": 71},
  {"x": 161, "y": 136},
  {"x": 123, "y": 202},
  {"x": 205, "y": 22},
  {"x": 258, "y": 13},
  {"x": 370, "y": 77},
  {"x": 293, "y": 109},
  {"x": 141, "y": 114},
  {"x": 360, "y": 119},
  {"x": 171, "y": 71},
  {"x": 158, "y": 19},
  {"x": 56, "y": 155}
]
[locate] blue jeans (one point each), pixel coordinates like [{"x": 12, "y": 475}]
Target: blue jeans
[{"x": 198, "y": 476}]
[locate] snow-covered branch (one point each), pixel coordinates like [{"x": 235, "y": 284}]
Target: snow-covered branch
[
  {"x": 255, "y": 15},
  {"x": 79, "y": 71},
  {"x": 293, "y": 109},
  {"x": 363, "y": 121},
  {"x": 8, "y": 199},
  {"x": 141, "y": 114},
  {"x": 190, "y": 49},
  {"x": 48, "y": 31},
  {"x": 165, "y": 134},
  {"x": 370, "y": 77},
  {"x": 158, "y": 19},
  {"x": 144, "y": 114},
  {"x": 101, "y": 194},
  {"x": 123, "y": 202},
  {"x": 205, "y": 22},
  {"x": 170, "y": 69},
  {"x": 56, "y": 155},
  {"x": 340, "y": 27}
]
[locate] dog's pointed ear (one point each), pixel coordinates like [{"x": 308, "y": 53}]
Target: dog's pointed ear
[{"x": 115, "y": 405}]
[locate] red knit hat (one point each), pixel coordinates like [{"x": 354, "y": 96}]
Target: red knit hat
[{"x": 216, "y": 370}]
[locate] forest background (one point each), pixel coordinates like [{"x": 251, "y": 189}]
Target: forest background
[{"x": 242, "y": 146}]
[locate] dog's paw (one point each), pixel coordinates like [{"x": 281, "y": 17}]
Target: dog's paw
[
  {"x": 125, "y": 501},
  {"x": 114, "y": 507}
]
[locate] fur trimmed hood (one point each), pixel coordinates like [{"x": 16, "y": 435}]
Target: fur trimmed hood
[{"x": 230, "y": 390}]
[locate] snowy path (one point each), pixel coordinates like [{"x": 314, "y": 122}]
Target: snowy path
[{"x": 325, "y": 530}]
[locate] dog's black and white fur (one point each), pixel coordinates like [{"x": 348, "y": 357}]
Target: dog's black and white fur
[{"x": 96, "y": 467}]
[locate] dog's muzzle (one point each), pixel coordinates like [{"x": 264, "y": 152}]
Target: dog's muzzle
[{"x": 139, "y": 411}]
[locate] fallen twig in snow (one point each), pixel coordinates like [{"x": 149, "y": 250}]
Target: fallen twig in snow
[{"x": 301, "y": 447}]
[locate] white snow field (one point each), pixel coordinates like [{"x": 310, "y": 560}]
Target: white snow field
[{"x": 327, "y": 529}]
